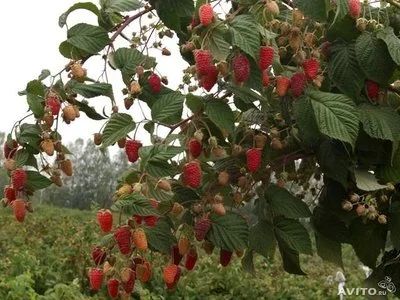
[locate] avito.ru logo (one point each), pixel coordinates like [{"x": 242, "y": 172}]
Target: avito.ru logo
[{"x": 386, "y": 285}]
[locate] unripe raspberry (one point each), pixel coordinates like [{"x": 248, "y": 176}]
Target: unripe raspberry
[
  {"x": 47, "y": 146},
  {"x": 347, "y": 206},
  {"x": 66, "y": 167},
  {"x": 382, "y": 219},
  {"x": 183, "y": 245},
  {"x": 223, "y": 178},
  {"x": 272, "y": 7},
  {"x": 139, "y": 239},
  {"x": 219, "y": 209},
  {"x": 135, "y": 88},
  {"x": 177, "y": 209},
  {"x": 199, "y": 135},
  {"x": 164, "y": 185},
  {"x": 19, "y": 209},
  {"x": 69, "y": 113},
  {"x": 78, "y": 72},
  {"x": 10, "y": 164}
]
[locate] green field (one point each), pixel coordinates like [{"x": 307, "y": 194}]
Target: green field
[{"x": 47, "y": 258}]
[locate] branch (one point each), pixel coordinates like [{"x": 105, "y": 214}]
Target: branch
[
  {"x": 129, "y": 21},
  {"x": 394, "y": 3}
]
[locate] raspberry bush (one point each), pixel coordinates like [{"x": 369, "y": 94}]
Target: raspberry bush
[{"x": 287, "y": 112}]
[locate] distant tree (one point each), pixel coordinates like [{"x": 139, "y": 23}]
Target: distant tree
[{"x": 91, "y": 182}]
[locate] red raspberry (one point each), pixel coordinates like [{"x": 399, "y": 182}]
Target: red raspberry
[
  {"x": 132, "y": 150},
  {"x": 204, "y": 61},
  {"x": 241, "y": 68},
  {"x": 311, "y": 68},
  {"x": 54, "y": 105},
  {"x": 195, "y": 148},
  {"x": 155, "y": 83},
  {"x": 130, "y": 284},
  {"x": 112, "y": 287},
  {"x": 253, "y": 159},
  {"x": 10, "y": 150},
  {"x": 151, "y": 221},
  {"x": 266, "y": 57},
  {"x": 372, "y": 89},
  {"x": 201, "y": 228},
  {"x": 265, "y": 78},
  {"x": 124, "y": 239},
  {"x": 354, "y": 8},
  {"x": 176, "y": 256},
  {"x": 105, "y": 219},
  {"x": 95, "y": 278},
  {"x": 191, "y": 175},
  {"x": 171, "y": 275},
  {"x": 297, "y": 84},
  {"x": 19, "y": 209},
  {"x": 207, "y": 81},
  {"x": 225, "y": 257},
  {"x": 138, "y": 219},
  {"x": 18, "y": 179},
  {"x": 98, "y": 255},
  {"x": 9, "y": 193},
  {"x": 282, "y": 85},
  {"x": 206, "y": 14},
  {"x": 191, "y": 259}
]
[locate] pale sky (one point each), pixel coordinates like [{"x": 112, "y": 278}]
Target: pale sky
[{"x": 30, "y": 39}]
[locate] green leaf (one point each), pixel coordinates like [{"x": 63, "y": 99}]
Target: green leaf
[
  {"x": 328, "y": 249},
  {"x": 342, "y": 9},
  {"x": 171, "y": 12},
  {"x": 135, "y": 204},
  {"x": 334, "y": 161},
  {"x": 290, "y": 258},
  {"x": 159, "y": 153},
  {"x": 380, "y": 122},
  {"x": 120, "y": 5},
  {"x": 107, "y": 240},
  {"x": 117, "y": 127},
  {"x": 168, "y": 108},
  {"x": 30, "y": 134},
  {"x": 194, "y": 103},
  {"x": 293, "y": 233},
  {"x": 37, "y": 181},
  {"x": 305, "y": 119},
  {"x": 315, "y": 9},
  {"x": 394, "y": 224},
  {"x": 261, "y": 239},
  {"x": 91, "y": 90},
  {"x": 35, "y": 91},
  {"x": 344, "y": 70},
  {"x": 44, "y": 74},
  {"x": 245, "y": 34},
  {"x": 392, "y": 42},
  {"x": 216, "y": 41},
  {"x": 248, "y": 263},
  {"x": 72, "y": 52},
  {"x": 127, "y": 59},
  {"x": 335, "y": 115},
  {"x": 220, "y": 114},
  {"x": 21, "y": 157},
  {"x": 368, "y": 240},
  {"x": 91, "y": 39},
  {"x": 284, "y": 203},
  {"x": 62, "y": 20},
  {"x": 390, "y": 172},
  {"x": 89, "y": 111},
  {"x": 367, "y": 181},
  {"x": 229, "y": 232},
  {"x": 160, "y": 237},
  {"x": 374, "y": 58}
]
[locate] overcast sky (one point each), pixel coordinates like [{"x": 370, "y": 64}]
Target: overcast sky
[{"x": 30, "y": 38}]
